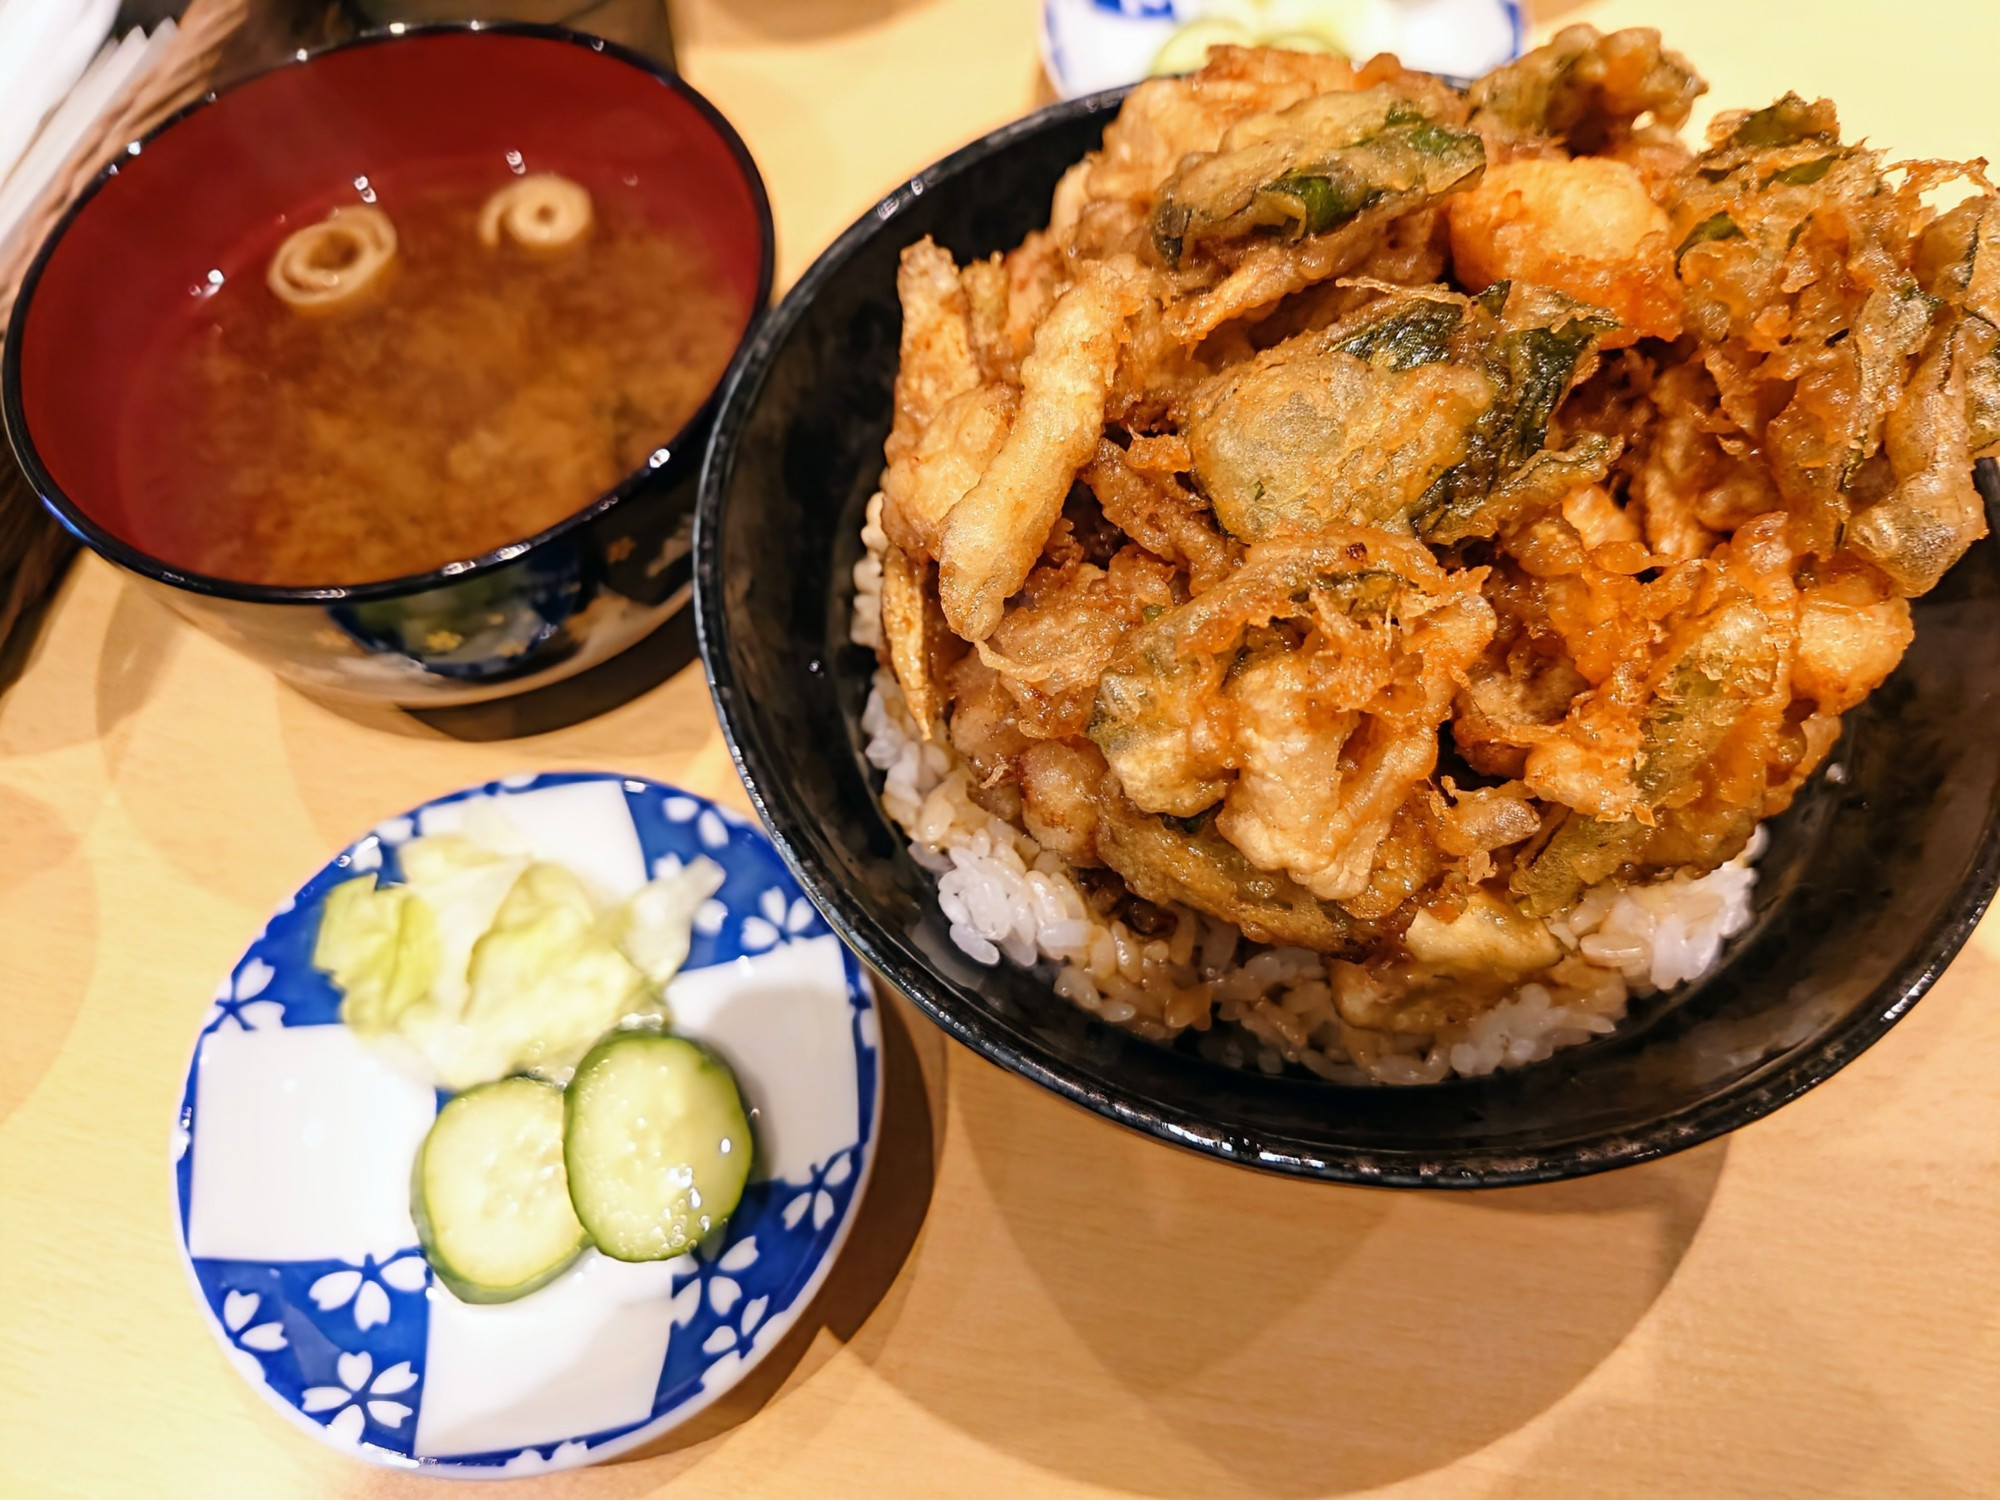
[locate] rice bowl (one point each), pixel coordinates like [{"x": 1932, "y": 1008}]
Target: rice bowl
[{"x": 1867, "y": 888}]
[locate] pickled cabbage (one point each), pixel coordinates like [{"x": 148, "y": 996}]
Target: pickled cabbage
[{"x": 485, "y": 962}]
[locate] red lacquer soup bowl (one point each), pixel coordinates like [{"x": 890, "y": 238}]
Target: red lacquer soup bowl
[{"x": 205, "y": 198}]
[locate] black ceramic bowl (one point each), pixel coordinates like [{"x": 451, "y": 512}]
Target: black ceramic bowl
[
  {"x": 1871, "y": 883},
  {"x": 204, "y": 198}
]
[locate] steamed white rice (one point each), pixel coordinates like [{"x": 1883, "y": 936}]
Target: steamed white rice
[{"x": 1255, "y": 1006}]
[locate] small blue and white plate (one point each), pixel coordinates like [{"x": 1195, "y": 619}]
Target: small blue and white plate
[
  {"x": 293, "y": 1149},
  {"x": 1090, "y": 45}
]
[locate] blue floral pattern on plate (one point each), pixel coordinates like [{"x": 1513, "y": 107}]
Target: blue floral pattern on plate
[{"x": 343, "y": 1343}]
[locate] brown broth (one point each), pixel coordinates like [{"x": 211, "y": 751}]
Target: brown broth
[{"x": 477, "y": 398}]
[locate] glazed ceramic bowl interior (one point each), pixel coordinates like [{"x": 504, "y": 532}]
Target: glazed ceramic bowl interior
[
  {"x": 205, "y": 200},
  {"x": 1871, "y": 882}
]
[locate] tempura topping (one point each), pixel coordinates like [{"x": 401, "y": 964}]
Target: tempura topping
[{"x": 1370, "y": 512}]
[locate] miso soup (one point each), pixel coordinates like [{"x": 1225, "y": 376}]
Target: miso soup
[{"x": 476, "y": 396}]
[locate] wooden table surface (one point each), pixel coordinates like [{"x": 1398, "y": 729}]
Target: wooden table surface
[{"x": 1034, "y": 1302}]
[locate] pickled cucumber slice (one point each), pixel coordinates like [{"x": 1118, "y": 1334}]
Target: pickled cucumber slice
[
  {"x": 489, "y": 1192},
  {"x": 657, "y": 1144}
]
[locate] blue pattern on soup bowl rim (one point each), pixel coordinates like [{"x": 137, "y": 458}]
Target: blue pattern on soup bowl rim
[
  {"x": 529, "y": 613},
  {"x": 295, "y": 1234},
  {"x": 1871, "y": 883}
]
